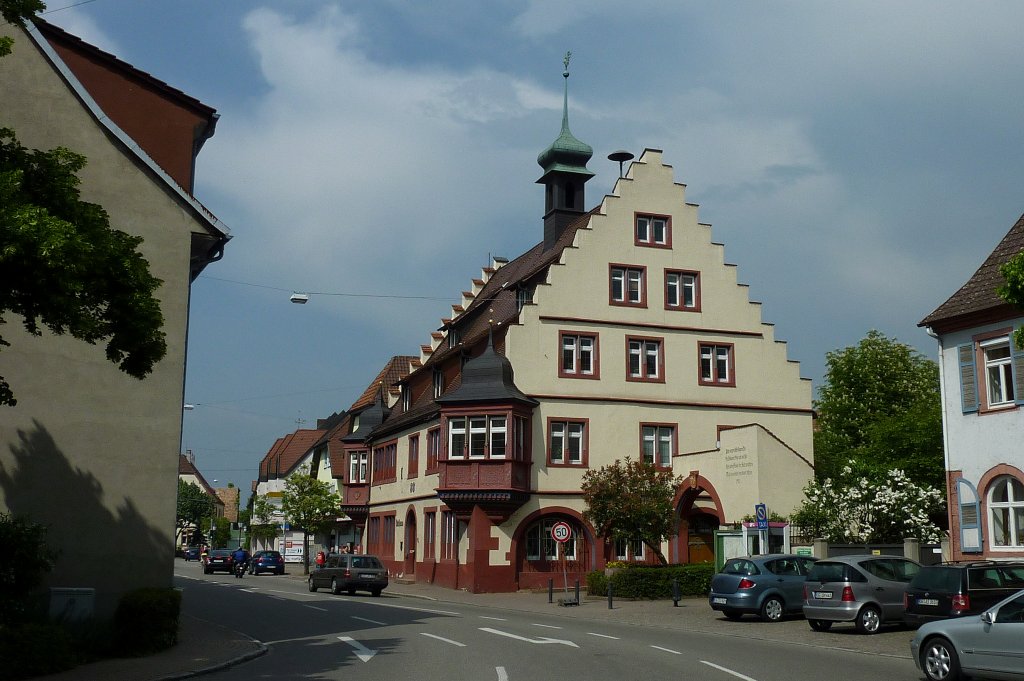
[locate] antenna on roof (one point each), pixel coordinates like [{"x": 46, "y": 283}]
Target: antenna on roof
[{"x": 621, "y": 157}]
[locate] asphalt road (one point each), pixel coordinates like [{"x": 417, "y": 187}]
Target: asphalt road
[{"x": 322, "y": 636}]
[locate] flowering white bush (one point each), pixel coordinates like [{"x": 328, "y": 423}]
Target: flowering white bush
[{"x": 859, "y": 508}]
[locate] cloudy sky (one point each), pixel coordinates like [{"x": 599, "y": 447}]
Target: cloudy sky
[{"x": 859, "y": 160}]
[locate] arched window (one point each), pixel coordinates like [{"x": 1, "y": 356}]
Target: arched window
[
  {"x": 1006, "y": 513},
  {"x": 540, "y": 545}
]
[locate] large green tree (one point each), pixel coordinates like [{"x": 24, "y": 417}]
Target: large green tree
[
  {"x": 631, "y": 500},
  {"x": 262, "y": 524},
  {"x": 309, "y": 504},
  {"x": 1012, "y": 289},
  {"x": 879, "y": 405},
  {"x": 62, "y": 266},
  {"x": 194, "y": 505}
]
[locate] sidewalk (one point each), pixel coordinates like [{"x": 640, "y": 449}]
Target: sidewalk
[{"x": 205, "y": 646}]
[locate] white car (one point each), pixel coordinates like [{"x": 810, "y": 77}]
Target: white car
[{"x": 988, "y": 646}]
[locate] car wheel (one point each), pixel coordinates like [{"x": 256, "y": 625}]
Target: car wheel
[
  {"x": 820, "y": 625},
  {"x": 376, "y": 593},
  {"x": 939, "y": 661},
  {"x": 869, "y": 619},
  {"x": 312, "y": 586},
  {"x": 335, "y": 587},
  {"x": 772, "y": 609},
  {"x": 732, "y": 614},
  {"x": 351, "y": 592}
]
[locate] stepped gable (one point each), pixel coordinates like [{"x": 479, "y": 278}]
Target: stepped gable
[{"x": 978, "y": 296}]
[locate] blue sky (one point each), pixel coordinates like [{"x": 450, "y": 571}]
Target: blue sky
[{"x": 859, "y": 160}]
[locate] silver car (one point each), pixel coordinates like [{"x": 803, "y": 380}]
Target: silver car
[
  {"x": 990, "y": 645},
  {"x": 865, "y": 589},
  {"x": 768, "y": 586}
]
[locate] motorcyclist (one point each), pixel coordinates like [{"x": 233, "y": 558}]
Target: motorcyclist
[{"x": 240, "y": 557}]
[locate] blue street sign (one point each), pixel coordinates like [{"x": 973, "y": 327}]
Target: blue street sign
[{"x": 761, "y": 513}]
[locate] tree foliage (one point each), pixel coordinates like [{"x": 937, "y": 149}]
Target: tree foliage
[
  {"x": 194, "y": 505},
  {"x": 262, "y": 524},
  {"x": 862, "y": 505},
  {"x": 62, "y": 266},
  {"x": 309, "y": 504},
  {"x": 1012, "y": 289},
  {"x": 26, "y": 558},
  {"x": 880, "y": 406},
  {"x": 631, "y": 500}
]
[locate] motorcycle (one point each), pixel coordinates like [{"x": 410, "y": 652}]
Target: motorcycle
[{"x": 239, "y": 569}]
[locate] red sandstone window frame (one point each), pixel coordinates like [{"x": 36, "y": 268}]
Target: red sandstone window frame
[
  {"x": 576, "y": 370},
  {"x": 679, "y": 304},
  {"x": 646, "y": 236},
  {"x": 385, "y": 463},
  {"x": 626, "y": 270},
  {"x": 643, "y": 355},
  {"x": 414, "y": 456},
  {"x": 433, "y": 449},
  {"x": 657, "y": 428},
  {"x": 712, "y": 377},
  {"x": 584, "y": 440}
]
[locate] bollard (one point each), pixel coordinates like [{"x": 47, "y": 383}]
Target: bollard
[
  {"x": 551, "y": 590},
  {"x": 675, "y": 592},
  {"x": 577, "y": 592},
  {"x": 609, "y": 594}
]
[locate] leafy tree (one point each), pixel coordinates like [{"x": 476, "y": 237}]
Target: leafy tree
[
  {"x": 880, "y": 405},
  {"x": 262, "y": 525},
  {"x": 1012, "y": 289},
  {"x": 310, "y": 504},
  {"x": 194, "y": 505},
  {"x": 62, "y": 265},
  {"x": 26, "y": 558},
  {"x": 863, "y": 505},
  {"x": 220, "y": 531},
  {"x": 631, "y": 500}
]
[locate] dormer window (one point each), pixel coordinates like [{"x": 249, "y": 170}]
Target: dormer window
[
  {"x": 454, "y": 337},
  {"x": 438, "y": 382},
  {"x": 406, "y": 398}
]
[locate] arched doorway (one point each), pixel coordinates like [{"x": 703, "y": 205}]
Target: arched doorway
[
  {"x": 699, "y": 513},
  {"x": 410, "y": 543},
  {"x": 540, "y": 558},
  {"x": 700, "y": 539}
]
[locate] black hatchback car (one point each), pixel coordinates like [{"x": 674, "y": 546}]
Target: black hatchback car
[
  {"x": 218, "y": 560},
  {"x": 266, "y": 561},
  {"x": 349, "y": 572},
  {"x": 955, "y": 589}
]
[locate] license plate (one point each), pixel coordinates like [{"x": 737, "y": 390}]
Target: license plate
[
  {"x": 720, "y": 601},
  {"x": 822, "y": 594},
  {"x": 927, "y": 601},
  {"x": 368, "y": 576}
]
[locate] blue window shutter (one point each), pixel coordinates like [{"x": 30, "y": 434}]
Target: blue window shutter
[
  {"x": 969, "y": 510},
  {"x": 968, "y": 378},
  {"x": 1018, "y": 372}
]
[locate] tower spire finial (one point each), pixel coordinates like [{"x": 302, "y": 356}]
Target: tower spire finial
[{"x": 565, "y": 93}]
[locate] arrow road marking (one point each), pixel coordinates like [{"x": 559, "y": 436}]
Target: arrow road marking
[
  {"x": 502, "y": 675},
  {"x": 362, "y": 652},
  {"x": 727, "y": 671},
  {"x": 542, "y": 639}
]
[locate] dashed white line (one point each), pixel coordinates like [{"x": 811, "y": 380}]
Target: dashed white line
[
  {"x": 502, "y": 675},
  {"x": 446, "y": 640},
  {"x": 363, "y": 619},
  {"x": 727, "y": 671},
  {"x": 546, "y": 626},
  {"x": 499, "y": 619},
  {"x": 614, "y": 638},
  {"x": 667, "y": 650},
  {"x": 318, "y": 608}
]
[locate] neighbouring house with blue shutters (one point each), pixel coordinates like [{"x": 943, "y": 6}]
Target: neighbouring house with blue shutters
[{"x": 982, "y": 375}]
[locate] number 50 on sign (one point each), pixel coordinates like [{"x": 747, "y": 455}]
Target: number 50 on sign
[{"x": 561, "y": 532}]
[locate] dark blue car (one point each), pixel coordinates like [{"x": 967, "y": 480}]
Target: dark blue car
[
  {"x": 191, "y": 553},
  {"x": 768, "y": 586},
  {"x": 266, "y": 561}
]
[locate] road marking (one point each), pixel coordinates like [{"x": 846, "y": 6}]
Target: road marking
[
  {"x": 615, "y": 638},
  {"x": 502, "y": 676},
  {"x": 446, "y": 640},
  {"x": 317, "y": 608},
  {"x": 667, "y": 650},
  {"x": 500, "y": 619},
  {"x": 363, "y": 619},
  {"x": 727, "y": 671},
  {"x": 362, "y": 652},
  {"x": 542, "y": 639},
  {"x": 546, "y": 626},
  {"x": 399, "y": 607}
]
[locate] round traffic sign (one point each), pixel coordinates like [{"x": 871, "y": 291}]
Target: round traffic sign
[{"x": 561, "y": 531}]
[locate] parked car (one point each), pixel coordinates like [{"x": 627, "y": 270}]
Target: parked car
[
  {"x": 191, "y": 553},
  {"x": 864, "y": 589},
  {"x": 990, "y": 645},
  {"x": 218, "y": 560},
  {"x": 350, "y": 572},
  {"x": 958, "y": 589},
  {"x": 769, "y": 586},
  {"x": 266, "y": 561}
]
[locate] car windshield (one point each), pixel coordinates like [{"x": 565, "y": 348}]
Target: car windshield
[
  {"x": 937, "y": 579},
  {"x": 827, "y": 572}
]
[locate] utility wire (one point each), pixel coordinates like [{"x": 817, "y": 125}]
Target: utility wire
[
  {"x": 58, "y": 9},
  {"x": 325, "y": 293}
]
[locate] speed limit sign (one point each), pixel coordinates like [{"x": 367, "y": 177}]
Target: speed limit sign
[{"x": 561, "y": 532}]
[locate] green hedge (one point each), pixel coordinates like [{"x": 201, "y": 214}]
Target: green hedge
[
  {"x": 643, "y": 581},
  {"x": 146, "y": 620}
]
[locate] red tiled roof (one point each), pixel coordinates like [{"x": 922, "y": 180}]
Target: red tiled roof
[
  {"x": 393, "y": 372},
  {"x": 186, "y": 467},
  {"x": 287, "y": 452},
  {"x": 979, "y": 295}
]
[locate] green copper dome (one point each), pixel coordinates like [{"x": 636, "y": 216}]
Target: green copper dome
[{"x": 566, "y": 154}]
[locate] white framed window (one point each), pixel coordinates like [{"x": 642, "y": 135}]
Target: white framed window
[
  {"x": 629, "y": 549},
  {"x": 644, "y": 359},
  {"x": 627, "y": 285},
  {"x": 457, "y": 437},
  {"x": 998, "y": 371},
  {"x": 540, "y": 545},
  {"x": 682, "y": 290},
  {"x": 652, "y": 230},
  {"x": 357, "y": 466},
  {"x": 478, "y": 436},
  {"x": 498, "y": 437},
  {"x": 657, "y": 445},
  {"x": 716, "y": 364},
  {"x": 438, "y": 377},
  {"x": 1006, "y": 513},
  {"x": 565, "y": 442},
  {"x": 524, "y": 297},
  {"x": 578, "y": 356}
]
